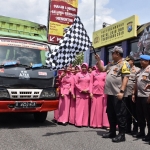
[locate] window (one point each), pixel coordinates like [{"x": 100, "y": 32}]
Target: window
[{"x": 134, "y": 49}]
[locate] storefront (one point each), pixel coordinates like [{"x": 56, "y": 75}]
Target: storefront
[{"x": 128, "y": 33}]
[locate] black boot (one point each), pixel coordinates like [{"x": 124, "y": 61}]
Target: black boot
[
  {"x": 119, "y": 138},
  {"x": 140, "y": 134},
  {"x": 147, "y": 137},
  {"x": 109, "y": 135},
  {"x": 134, "y": 131}
]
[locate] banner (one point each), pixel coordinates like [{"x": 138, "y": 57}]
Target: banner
[
  {"x": 116, "y": 32},
  {"x": 61, "y": 16}
]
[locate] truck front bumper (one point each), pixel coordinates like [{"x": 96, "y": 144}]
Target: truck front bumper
[{"x": 41, "y": 106}]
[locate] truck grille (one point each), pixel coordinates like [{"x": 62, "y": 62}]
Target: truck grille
[{"x": 24, "y": 93}]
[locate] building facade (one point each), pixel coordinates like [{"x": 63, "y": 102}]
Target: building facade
[{"x": 128, "y": 33}]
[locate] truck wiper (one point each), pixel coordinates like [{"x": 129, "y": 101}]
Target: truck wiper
[
  {"x": 13, "y": 64},
  {"x": 39, "y": 66}
]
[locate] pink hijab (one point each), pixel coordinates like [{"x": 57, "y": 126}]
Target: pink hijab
[
  {"x": 78, "y": 66},
  {"x": 85, "y": 65}
]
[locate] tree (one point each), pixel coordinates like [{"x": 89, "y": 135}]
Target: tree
[{"x": 79, "y": 59}]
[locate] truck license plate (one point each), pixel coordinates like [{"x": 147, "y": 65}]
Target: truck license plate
[{"x": 25, "y": 104}]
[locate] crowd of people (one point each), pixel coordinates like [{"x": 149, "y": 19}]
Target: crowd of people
[
  {"x": 82, "y": 100},
  {"x": 112, "y": 96}
]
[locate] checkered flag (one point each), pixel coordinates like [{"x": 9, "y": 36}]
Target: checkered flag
[{"x": 74, "y": 41}]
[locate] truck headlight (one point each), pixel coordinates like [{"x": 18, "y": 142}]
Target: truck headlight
[
  {"x": 48, "y": 94},
  {"x": 4, "y": 94}
]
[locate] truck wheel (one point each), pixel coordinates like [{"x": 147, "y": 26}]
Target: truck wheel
[{"x": 40, "y": 116}]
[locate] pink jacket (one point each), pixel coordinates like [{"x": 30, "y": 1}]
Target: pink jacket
[
  {"x": 82, "y": 82},
  {"x": 66, "y": 84},
  {"x": 97, "y": 82},
  {"x": 73, "y": 84}
]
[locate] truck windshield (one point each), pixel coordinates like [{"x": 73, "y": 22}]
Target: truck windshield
[{"x": 23, "y": 55}]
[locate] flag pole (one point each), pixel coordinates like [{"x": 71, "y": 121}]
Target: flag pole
[{"x": 94, "y": 50}]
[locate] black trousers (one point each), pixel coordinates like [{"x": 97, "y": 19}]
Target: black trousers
[
  {"x": 116, "y": 112},
  {"x": 143, "y": 112},
  {"x": 132, "y": 108}
]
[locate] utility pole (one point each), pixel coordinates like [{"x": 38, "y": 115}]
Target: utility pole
[{"x": 94, "y": 15}]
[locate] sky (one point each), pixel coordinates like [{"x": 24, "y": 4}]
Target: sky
[{"x": 109, "y": 11}]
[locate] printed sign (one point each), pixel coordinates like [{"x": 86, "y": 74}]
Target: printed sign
[
  {"x": 42, "y": 73},
  {"x": 24, "y": 75},
  {"x": 116, "y": 32},
  {"x": 61, "y": 15},
  {"x": 17, "y": 43}
]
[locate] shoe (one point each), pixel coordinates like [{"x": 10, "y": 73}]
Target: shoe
[
  {"x": 54, "y": 121},
  {"x": 119, "y": 138},
  {"x": 64, "y": 123},
  {"x": 139, "y": 135},
  {"x": 146, "y": 138},
  {"x": 134, "y": 131},
  {"x": 109, "y": 135}
]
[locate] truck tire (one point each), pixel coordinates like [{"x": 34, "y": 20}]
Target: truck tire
[{"x": 40, "y": 116}]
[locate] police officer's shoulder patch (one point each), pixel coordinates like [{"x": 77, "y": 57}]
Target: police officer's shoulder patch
[{"x": 125, "y": 68}]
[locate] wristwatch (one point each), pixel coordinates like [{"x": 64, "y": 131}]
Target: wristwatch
[{"x": 121, "y": 91}]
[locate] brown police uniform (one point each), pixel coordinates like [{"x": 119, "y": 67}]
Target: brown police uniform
[
  {"x": 116, "y": 109},
  {"x": 143, "y": 78},
  {"x": 129, "y": 103}
]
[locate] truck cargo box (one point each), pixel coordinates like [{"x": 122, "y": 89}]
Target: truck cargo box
[{"x": 12, "y": 27}]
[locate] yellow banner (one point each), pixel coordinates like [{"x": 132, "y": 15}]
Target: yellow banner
[
  {"x": 119, "y": 31},
  {"x": 74, "y": 3},
  {"x": 57, "y": 28}
]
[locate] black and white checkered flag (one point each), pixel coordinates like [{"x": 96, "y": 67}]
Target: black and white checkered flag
[{"x": 74, "y": 41}]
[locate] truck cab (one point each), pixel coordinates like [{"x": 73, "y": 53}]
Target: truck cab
[{"x": 26, "y": 83}]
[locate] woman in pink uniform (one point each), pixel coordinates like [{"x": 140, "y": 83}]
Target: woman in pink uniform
[
  {"x": 65, "y": 95},
  {"x": 72, "y": 101},
  {"x": 74, "y": 71},
  {"x": 82, "y": 84},
  {"x": 77, "y": 69},
  {"x": 97, "y": 117},
  {"x": 56, "y": 112}
]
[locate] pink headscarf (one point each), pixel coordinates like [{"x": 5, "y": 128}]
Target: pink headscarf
[
  {"x": 94, "y": 67},
  {"x": 78, "y": 66},
  {"x": 85, "y": 65}
]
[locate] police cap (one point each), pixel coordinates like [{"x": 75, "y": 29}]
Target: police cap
[
  {"x": 128, "y": 58},
  {"x": 117, "y": 49},
  {"x": 145, "y": 57}
]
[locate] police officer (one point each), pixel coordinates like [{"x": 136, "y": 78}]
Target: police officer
[
  {"x": 116, "y": 80},
  {"x": 143, "y": 78},
  {"x": 128, "y": 97},
  {"x": 148, "y": 87}
]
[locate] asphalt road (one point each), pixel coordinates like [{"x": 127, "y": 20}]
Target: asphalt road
[{"x": 20, "y": 132}]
